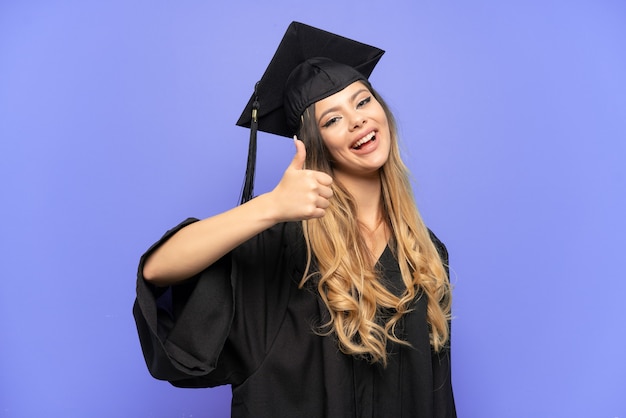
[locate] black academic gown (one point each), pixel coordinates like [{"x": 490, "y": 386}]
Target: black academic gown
[{"x": 245, "y": 322}]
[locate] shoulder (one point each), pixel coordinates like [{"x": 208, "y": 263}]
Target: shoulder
[
  {"x": 281, "y": 240},
  {"x": 439, "y": 246},
  {"x": 287, "y": 234}
]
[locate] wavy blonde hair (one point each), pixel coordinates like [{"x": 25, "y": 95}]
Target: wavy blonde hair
[{"x": 350, "y": 286}]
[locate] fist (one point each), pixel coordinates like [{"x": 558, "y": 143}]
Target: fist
[{"x": 301, "y": 193}]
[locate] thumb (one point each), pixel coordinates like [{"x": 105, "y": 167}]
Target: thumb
[{"x": 298, "y": 159}]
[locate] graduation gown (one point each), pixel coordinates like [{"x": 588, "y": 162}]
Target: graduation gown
[{"x": 244, "y": 322}]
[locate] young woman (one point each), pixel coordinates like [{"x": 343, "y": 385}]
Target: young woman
[{"x": 326, "y": 297}]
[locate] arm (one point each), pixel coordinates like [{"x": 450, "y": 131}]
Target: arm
[
  {"x": 301, "y": 194},
  {"x": 443, "y": 395},
  {"x": 212, "y": 329}
]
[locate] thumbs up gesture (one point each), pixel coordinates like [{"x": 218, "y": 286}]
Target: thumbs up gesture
[{"x": 301, "y": 193}]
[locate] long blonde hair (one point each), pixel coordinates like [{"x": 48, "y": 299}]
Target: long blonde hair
[{"x": 350, "y": 286}]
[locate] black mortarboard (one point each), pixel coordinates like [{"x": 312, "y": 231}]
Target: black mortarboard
[{"x": 310, "y": 64}]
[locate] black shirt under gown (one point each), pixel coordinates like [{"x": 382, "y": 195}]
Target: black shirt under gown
[{"x": 244, "y": 322}]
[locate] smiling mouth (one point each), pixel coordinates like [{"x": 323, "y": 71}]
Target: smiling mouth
[{"x": 367, "y": 138}]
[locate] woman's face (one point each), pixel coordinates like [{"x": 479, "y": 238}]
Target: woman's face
[{"x": 355, "y": 130}]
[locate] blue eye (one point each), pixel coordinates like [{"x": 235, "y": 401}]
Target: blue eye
[{"x": 364, "y": 102}]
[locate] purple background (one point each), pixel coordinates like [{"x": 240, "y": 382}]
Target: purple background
[{"x": 117, "y": 121}]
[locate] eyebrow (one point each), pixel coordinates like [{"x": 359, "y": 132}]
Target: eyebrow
[{"x": 335, "y": 108}]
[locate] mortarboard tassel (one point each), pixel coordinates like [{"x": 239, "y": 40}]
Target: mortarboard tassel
[{"x": 248, "y": 186}]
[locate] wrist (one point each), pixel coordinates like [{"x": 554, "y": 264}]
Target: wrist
[{"x": 266, "y": 209}]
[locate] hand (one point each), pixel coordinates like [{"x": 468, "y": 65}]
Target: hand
[{"x": 302, "y": 194}]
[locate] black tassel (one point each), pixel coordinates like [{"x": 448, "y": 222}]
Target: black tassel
[{"x": 248, "y": 185}]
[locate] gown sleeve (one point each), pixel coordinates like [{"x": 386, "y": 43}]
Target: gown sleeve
[
  {"x": 211, "y": 329},
  {"x": 441, "y": 361}
]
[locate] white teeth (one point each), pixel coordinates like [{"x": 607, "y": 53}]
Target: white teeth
[{"x": 365, "y": 139}]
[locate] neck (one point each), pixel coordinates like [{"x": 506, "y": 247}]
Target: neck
[{"x": 366, "y": 191}]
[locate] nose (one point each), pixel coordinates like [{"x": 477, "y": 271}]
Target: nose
[{"x": 357, "y": 120}]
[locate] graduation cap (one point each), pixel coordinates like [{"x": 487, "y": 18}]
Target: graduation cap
[{"x": 310, "y": 64}]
